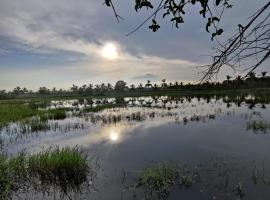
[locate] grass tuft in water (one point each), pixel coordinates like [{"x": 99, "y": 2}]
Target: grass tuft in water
[
  {"x": 158, "y": 180},
  {"x": 5, "y": 180},
  {"x": 66, "y": 168}
]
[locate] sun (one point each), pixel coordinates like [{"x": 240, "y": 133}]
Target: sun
[{"x": 109, "y": 51}]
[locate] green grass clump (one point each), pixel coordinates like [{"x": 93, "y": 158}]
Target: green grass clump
[
  {"x": 12, "y": 112},
  {"x": 101, "y": 107},
  {"x": 159, "y": 179},
  {"x": 37, "y": 126},
  {"x": 57, "y": 114},
  {"x": 66, "y": 168},
  {"x": 5, "y": 180}
]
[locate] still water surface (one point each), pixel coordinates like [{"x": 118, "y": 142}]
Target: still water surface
[{"x": 197, "y": 132}]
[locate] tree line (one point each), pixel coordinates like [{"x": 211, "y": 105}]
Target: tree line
[{"x": 251, "y": 81}]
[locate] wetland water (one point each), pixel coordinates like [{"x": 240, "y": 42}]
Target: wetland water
[{"x": 227, "y": 142}]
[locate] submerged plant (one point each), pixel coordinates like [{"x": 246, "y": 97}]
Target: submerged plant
[
  {"x": 258, "y": 126},
  {"x": 158, "y": 180}
]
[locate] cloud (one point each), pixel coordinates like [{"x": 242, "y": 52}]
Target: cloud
[
  {"x": 147, "y": 76},
  {"x": 67, "y": 36}
]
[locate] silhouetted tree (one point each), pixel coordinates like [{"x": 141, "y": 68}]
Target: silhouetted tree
[
  {"x": 163, "y": 84},
  {"x": 148, "y": 85},
  {"x": 120, "y": 86},
  {"x": 254, "y": 35}
]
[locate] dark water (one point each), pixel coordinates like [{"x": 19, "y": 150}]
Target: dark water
[{"x": 197, "y": 133}]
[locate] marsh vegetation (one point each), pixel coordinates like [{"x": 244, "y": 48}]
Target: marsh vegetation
[{"x": 159, "y": 147}]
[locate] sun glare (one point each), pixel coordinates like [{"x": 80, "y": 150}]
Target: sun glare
[
  {"x": 109, "y": 51},
  {"x": 114, "y": 136}
]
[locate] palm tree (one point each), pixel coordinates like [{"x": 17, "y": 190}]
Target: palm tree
[
  {"x": 252, "y": 75},
  {"x": 132, "y": 87},
  {"x": 109, "y": 87},
  {"x": 140, "y": 86},
  {"x": 74, "y": 88},
  {"x": 155, "y": 86},
  {"x": 164, "y": 84},
  {"x": 148, "y": 85},
  {"x": 228, "y": 78},
  {"x": 238, "y": 78}
]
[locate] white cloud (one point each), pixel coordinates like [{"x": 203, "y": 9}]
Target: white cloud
[{"x": 82, "y": 27}]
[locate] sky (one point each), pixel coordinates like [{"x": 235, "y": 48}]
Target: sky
[{"x": 64, "y": 42}]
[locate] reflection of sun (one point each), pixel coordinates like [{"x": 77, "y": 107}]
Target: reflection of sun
[
  {"x": 114, "y": 136},
  {"x": 109, "y": 51}
]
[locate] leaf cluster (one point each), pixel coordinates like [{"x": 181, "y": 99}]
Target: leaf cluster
[{"x": 176, "y": 9}]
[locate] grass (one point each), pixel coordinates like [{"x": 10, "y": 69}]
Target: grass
[
  {"x": 159, "y": 179},
  {"x": 66, "y": 169},
  {"x": 12, "y": 112},
  {"x": 5, "y": 181},
  {"x": 101, "y": 107},
  {"x": 37, "y": 125},
  {"x": 56, "y": 114},
  {"x": 22, "y": 111}
]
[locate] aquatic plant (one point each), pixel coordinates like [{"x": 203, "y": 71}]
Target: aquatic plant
[
  {"x": 101, "y": 107},
  {"x": 57, "y": 114},
  {"x": 37, "y": 126},
  {"x": 5, "y": 181},
  {"x": 66, "y": 169},
  {"x": 159, "y": 179}
]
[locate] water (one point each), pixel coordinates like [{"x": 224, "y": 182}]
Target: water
[{"x": 210, "y": 133}]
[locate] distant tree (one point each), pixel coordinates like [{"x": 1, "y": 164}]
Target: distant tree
[
  {"x": 17, "y": 90},
  {"x": 238, "y": 78},
  {"x": 140, "y": 86},
  {"x": 252, "y": 75},
  {"x": 120, "y": 86},
  {"x": 228, "y": 78},
  {"x": 148, "y": 85},
  {"x": 25, "y": 90},
  {"x": 89, "y": 89},
  {"x": 109, "y": 87},
  {"x": 43, "y": 90},
  {"x": 74, "y": 88},
  {"x": 163, "y": 84},
  {"x": 54, "y": 90},
  {"x": 132, "y": 87}
]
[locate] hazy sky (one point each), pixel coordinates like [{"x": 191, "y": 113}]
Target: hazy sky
[{"x": 61, "y": 42}]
